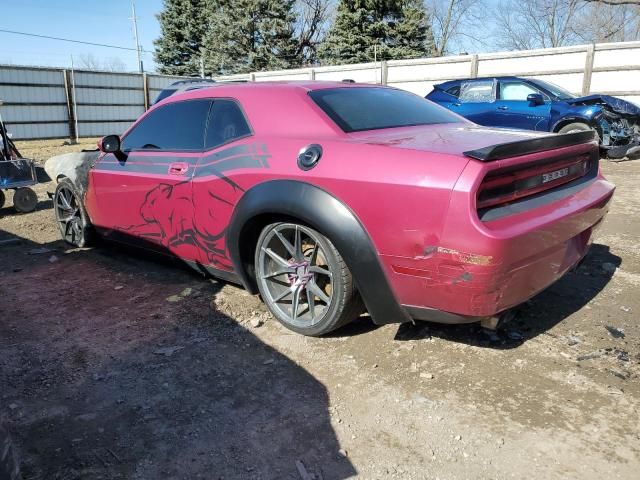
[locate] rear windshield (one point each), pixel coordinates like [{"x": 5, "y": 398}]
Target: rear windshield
[{"x": 372, "y": 108}]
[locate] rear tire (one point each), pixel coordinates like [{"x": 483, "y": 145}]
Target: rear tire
[
  {"x": 2, "y": 199},
  {"x": 25, "y": 200},
  {"x": 304, "y": 280},
  {"x": 71, "y": 215}
]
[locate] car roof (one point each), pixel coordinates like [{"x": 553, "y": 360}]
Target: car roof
[
  {"x": 217, "y": 89},
  {"x": 185, "y": 85},
  {"x": 499, "y": 77},
  {"x": 275, "y": 107},
  {"x": 191, "y": 80}
]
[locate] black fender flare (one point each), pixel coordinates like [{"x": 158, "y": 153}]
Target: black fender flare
[{"x": 325, "y": 213}]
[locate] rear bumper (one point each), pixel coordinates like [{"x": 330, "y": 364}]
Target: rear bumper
[
  {"x": 484, "y": 268},
  {"x": 438, "y": 316}
]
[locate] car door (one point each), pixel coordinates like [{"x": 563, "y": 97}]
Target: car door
[
  {"x": 231, "y": 156},
  {"x": 514, "y": 111},
  {"x": 476, "y": 101},
  {"x": 143, "y": 195}
]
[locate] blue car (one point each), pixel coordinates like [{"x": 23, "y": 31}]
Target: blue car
[{"x": 531, "y": 104}]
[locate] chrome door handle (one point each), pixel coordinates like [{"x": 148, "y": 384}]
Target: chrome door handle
[{"x": 503, "y": 107}]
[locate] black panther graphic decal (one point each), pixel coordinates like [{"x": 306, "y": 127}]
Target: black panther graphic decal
[{"x": 197, "y": 211}]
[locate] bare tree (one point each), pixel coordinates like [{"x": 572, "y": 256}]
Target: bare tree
[
  {"x": 537, "y": 23},
  {"x": 615, "y": 2},
  {"x": 556, "y": 23},
  {"x": 89, "y": 61},
  {"x": 608, "y": 22},
  {"x": 114, "y": 64},
  {"x": 313, "y": 23},
  {"x": 456, "y": 23}
]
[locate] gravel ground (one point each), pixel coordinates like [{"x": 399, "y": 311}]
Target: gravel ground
[{"x": 117, "y": 365}]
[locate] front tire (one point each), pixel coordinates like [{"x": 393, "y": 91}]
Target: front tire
[
  {"x": 71, "y": 215},
  {"x": 304, "y": 280},
  {"x": 578, "y": 127}
]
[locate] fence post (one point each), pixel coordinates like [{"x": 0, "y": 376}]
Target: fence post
[
  {"x": 312, "y": 74},
  {"x": 588, "y": 69},
  {"x": 71, "y": 112},
  {"x": 384, "y": 72},
  {"x": 474, "y": 66},
  {"x": 145, "y": 88},
  {"x": 252, "y": 77}
]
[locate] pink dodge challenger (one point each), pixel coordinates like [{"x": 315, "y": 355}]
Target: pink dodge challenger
[{"x": 328, "y": 198}]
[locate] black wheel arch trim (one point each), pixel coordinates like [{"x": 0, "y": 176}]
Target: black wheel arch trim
[{"x": 325, "y": 213}]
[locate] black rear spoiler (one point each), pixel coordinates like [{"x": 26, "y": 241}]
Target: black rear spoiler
[{"x": 531, "y": 145}]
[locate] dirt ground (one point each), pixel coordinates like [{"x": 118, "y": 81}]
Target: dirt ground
[{"x": 116, "y": 365}]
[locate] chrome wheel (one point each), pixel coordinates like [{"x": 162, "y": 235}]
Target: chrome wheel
[
  {"x": 294, "y": 275},
  {"x": 69, "y": 216}
]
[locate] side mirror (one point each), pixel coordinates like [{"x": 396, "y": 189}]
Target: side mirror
[
  {"x": 535, "y": 99},
  {"x": 109, "y": 144}
]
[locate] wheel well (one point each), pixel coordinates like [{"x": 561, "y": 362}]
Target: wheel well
[
  {"x": 277, "y": 200},
  {"x": 564, "y": 123},
  {"x": 249, "y": 238}
]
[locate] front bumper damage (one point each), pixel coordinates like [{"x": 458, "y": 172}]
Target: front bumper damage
[
  {"x": 629, "y": 151},
  {"x": 620, "y": 135},
  {"x": 618, "y": 127}
]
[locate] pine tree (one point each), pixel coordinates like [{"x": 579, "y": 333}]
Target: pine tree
[
  {"x": 349, "y": 39},
  {"x": 179, "y": 48},
  {"x": 250, "y": 35},
  {"x": 411, "y": 35},
  {"x": 399, "y": 28}
]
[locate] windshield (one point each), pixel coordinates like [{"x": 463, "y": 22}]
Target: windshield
[
  {"x": 555, "y": 90},
  {"x": 371, "y": 108}
]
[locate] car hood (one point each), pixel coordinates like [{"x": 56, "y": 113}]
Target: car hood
[
  {"x": 451, "y": 138},
  {"x": 616, "y": 104},
  {"x": 74, "y": 166}
]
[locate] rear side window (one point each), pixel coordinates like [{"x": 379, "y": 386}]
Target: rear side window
[
  {"x": 371, "y": 108},
  {"x": 477, "y": 92},
  {"x": 175, "y": 126},
  {"x": 226, "y": 123}
]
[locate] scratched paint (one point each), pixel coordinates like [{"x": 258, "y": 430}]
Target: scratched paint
[{"x": 469, "y": 258}]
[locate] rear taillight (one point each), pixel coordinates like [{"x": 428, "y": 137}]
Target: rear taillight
[{"x": 505, "y": 187}]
